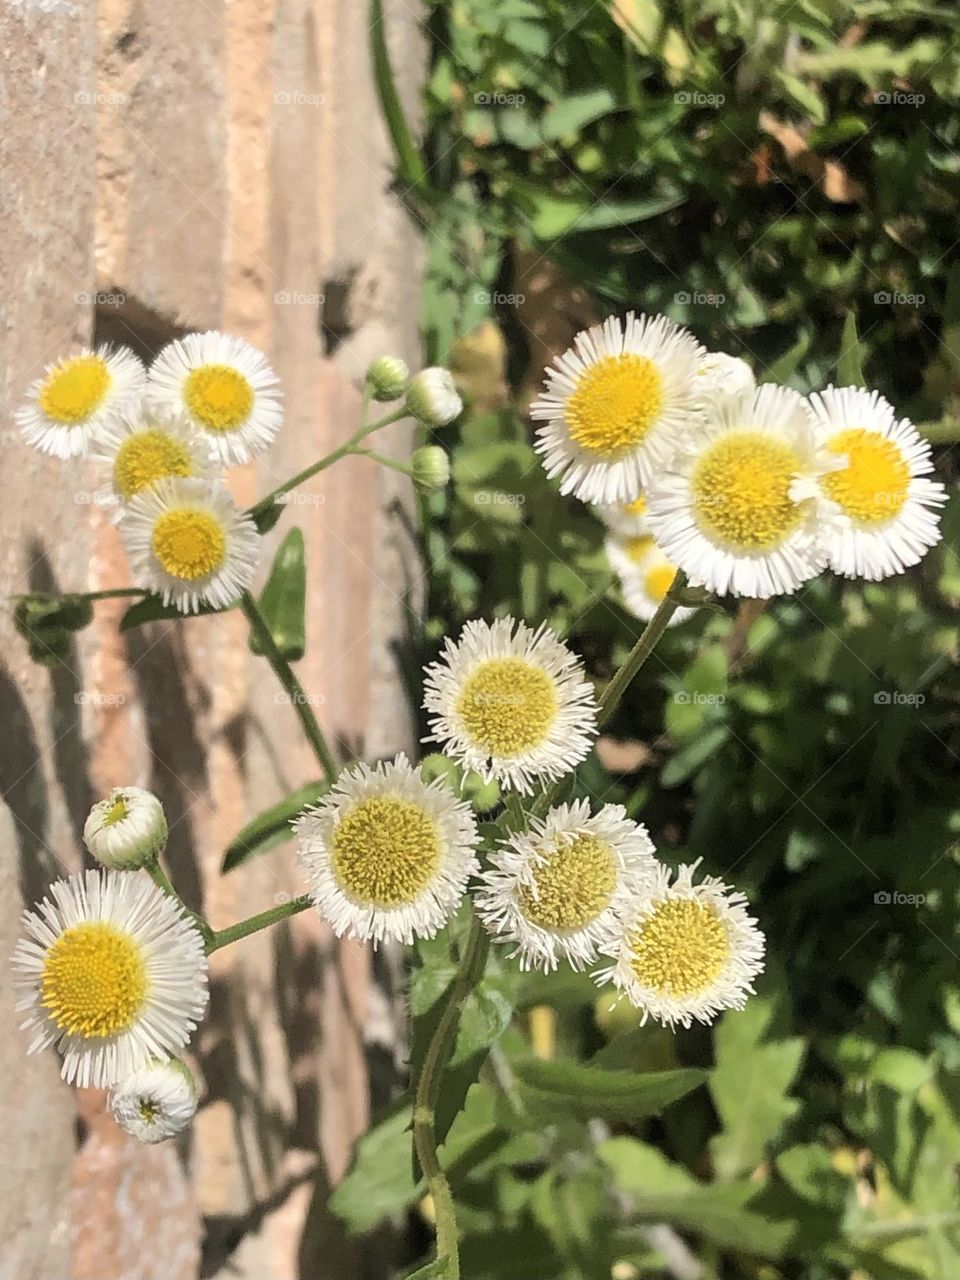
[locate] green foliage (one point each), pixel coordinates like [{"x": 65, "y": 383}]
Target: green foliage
[
  {"x": 283, "y": 601},
  {"x": 272, "y": 827}
]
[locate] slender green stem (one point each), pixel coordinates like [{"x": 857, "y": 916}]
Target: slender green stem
[
  {"x": 108, "y": 593},
  {"x": 641, "y": 651},
  {"x": 394, "y": 463},
  {"x": 472, "y": 965},
  {"x": 291, "y": 685},
  {"x": 327, "y": 460},
  {"x": 162, "y": 881},
  {"x": 253, "y": 924}
]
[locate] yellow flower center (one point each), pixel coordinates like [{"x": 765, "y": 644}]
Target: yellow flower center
[
  {"x": 658, "y": 581},
  {"x": 94, "y": 981},
  {"x": 637, "y": 507},
  {"x": 75, "y": 389},
  {"x": 385, "y": 851},
  {"x": 149, "y": 1110},
  {"x": 741, "y": 491},
  {"x": 571, "y": 886},
  {"x": 218, "y": 396},
  {"x": 507, "y": 706},
  {"x": 680, "y": 949},
  {"x": 188, "y": 543},
  {"x": 637, "y": 548},
  {"x": 147, "y": 457},
  {"x": 116, "y": 813},
  {"x": 616, "y": 402},
  {"x": 873, "y": 486}
]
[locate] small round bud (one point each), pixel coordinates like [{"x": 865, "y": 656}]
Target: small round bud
[
  {"x": 387, "y": 377},
  {"x": 127, "y": 830},
  {"x": 156, "y": 1102},
  {"x": 431, "y": 468},
  {"x": 721, "y": 375},
  {"x": 432, "y": 397}
]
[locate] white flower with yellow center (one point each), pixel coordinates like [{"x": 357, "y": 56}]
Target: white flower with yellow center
[
  {"x": 686, "y": 951},
  {"x": 557, "y": 890},
  {"x": 721, "y": 375},
  {"x": 614, "y": 405},
  {"x": 127, "y": 830},
  {"x": 224, "y": 386},
  {"x": 70, "y": 406},
  {"x": 511, "y": 703},
  {"x": 111, "y": 973},
  {"x": 628, "y": 519},
  {"x": 142, "y": 449},
  {"x": 645, "y": 574},
  {"x": 156, "y": 1102},
  {"x": 878, "y": 507},
  {"x": 187, "y": 542},
  {"x": 387, "y": 855},
  {"x": 728, "y": 510}
]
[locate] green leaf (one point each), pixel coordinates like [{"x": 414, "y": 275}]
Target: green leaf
[
  {"x": 850, "y": 364},
  {"x": 152, "y": 609},
  {"x": 378, "y": 1183},
  {"x": 409, "y": 160},
  {"x": 572, "y": 112},
  {"x": 283, "y": 601},
  {"x": 438, "y": 1269},
  {"x": 272, "y": 827},
  {"x": 590, "y": 1092}
]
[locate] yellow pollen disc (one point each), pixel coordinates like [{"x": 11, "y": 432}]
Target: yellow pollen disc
[
  {"x": 873, "y": 486},
  {"x": 680, "y": 949},
  {"x": 659, "y": 580},
  {"x": 75, "y": 389},
  {"x": 507, "y": 706},
  {"x": 94, "y": 980},
  {"x": 146, "y": 457},
  {"x": 219, "y": 396},
  {"x": 116, "y": 813},
  {"x": 637, "y": 548},
  {"x": 188, "y": 543},
  {"x": 573, "y": 885},
  {"x": 149, "y": 1110},
  {"x": 616, "y": 402},
  {"x": 637, "y": 507},
  {"x": 385, "y": 851},
  {"x": 741, "y": 491}
]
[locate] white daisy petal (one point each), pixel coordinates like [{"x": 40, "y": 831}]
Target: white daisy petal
[
  {"x": 686, "y": 951},
  {"x": 557, "y": 889},
  {"x": 127, "y": 830},
  {"x": 224, "y": 386},
  {"x": 111, "y": 973},
  {"x": 387, "y": 855},
  {"x": 187, "y": 541},
  {"x": 614, "y": 405},
  {"x": 645, "y": 575},
  {"x": 77, "y": 398},
  {"x": 877, "y": 505},
  {"x": 627, "y": 519},
  {"x": 141, "y": 449},
  {"x": 156, "y": 1102},
  {"x": 511, "y": 703},
  {"x": 727, "y": 509}
]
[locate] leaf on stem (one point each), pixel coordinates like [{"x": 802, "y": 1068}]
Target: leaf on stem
[
  {"x": 272, "y": 827},
  {"x": 590, "y": 1092},
  {"x": 283, "y": 604}
]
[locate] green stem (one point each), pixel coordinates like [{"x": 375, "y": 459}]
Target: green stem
[
  {"x": 263, "y": 920},
  {"x": 641, "y": 651},
  {"x": 394, "y": 463},
  {"x": 109, "y": 593},
  {"x": 162, "y": 881},
  {"x": 472, "y": 965},
  {"x": 291, "y": 685},
  {"x": 321, "y": 464}
]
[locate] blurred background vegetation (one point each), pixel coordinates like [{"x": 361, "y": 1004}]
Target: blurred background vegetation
[{"x": 758, "y": 171}]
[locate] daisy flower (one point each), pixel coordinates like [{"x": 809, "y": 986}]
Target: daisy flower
[
  {"x": 557, "y": 890},
  {"x": 156, "y": 1102},
  {"x": 187, "y": 541},
  {"x": 721, "y": 375},
  {"x": 511, "y": 703},
  {"x": 68, "y": 408},
  {"x": 614, "y": 405},
  {"x": 387, "y": 855},
  {"x": 224, "y": 386},
  {"x": 111, "y": 973},
  {"x": 628, "y": 519},
  {"x": 878, "y": 506},
  {"x": 686, "y": 951},
  {"x": 645, "y": 575},
  {"x": 141, "y": 449},
  {"x": 728, "y": 510},
  {"x": 127, "y": 830}
]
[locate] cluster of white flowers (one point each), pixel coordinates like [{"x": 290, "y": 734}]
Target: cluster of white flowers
[{"x": 751, "y": 491}]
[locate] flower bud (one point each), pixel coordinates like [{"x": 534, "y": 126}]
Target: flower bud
[
  {"x": 127, "y": 830},
  {"x": 431, "y": 468},
  {"x": 432, "y": 397},
  {"x": 156, "y": 1102},
  {"x": 721, "y": 375},
  {"x": 387, "y": 377}
]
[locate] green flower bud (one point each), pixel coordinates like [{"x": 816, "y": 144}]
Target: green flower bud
[
  {"x": 431, "y": 468},
  {"x": 432, "y": 397},
  {"x": 387, "y": 377},
  {"x": 127, "y": 830}
]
